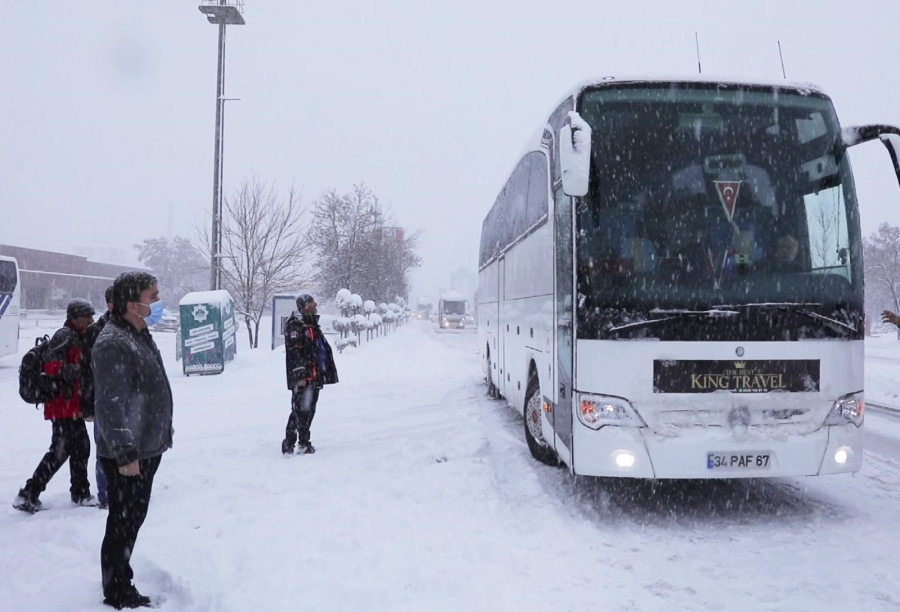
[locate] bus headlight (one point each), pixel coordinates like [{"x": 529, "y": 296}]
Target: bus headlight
[
  {"x": 596, "y": 411},
  {"x": 848, "y": 409},
  {"x": 842, "y": 454},
  {"x": 624, "y": 459}
]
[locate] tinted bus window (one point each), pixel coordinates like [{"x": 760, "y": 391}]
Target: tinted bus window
[{"x": 8, "y": 279}]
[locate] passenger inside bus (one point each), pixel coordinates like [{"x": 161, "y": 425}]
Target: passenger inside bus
[{"x": 783, "y": 259}]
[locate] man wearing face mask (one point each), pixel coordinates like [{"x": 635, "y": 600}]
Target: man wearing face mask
[{"x": 133, "y": 411}]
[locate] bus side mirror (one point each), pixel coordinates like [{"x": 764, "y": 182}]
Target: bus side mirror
[
  {"x": 888, "y": 134},
  {"x": 575, "y": 155}
]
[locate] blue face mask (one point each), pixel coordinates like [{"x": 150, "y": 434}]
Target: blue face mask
[{"x": 156, "y": 313}]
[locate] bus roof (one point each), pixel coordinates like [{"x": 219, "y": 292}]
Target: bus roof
[
  {"x": 534, "y": 142},
  {"x": 801, "y": 87}
]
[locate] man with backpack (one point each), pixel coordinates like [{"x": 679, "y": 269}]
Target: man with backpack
[
  {"x": 310, "y": 366},
  {"x": 63, "y": 367}
]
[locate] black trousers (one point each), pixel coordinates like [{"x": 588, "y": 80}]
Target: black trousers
[
  {"x": 129, "y": 498},
  {"x": 303, "y": 411},
  {"x": 70, "y": 442}
]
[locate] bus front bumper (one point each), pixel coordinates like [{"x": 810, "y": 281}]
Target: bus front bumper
[{"x": 716, "y": 452}]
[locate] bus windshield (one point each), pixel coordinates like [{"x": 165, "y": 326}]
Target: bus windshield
[
  {"x": 706, "y": 198},
  {"x": 454, "y": 308}
]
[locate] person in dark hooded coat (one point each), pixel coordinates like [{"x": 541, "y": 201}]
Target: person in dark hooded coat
[
  {"x": 65, "y": 364},
  {"x": 133, "y": 406},
  {"x": 310, "y": 366}
]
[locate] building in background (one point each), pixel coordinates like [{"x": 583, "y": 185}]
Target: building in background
[
  {"x": 103, "y": 253},
  {"x": 49, "y": 280}
]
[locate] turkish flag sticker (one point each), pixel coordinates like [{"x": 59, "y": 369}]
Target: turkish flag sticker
[{"x": 728, "y": 194}]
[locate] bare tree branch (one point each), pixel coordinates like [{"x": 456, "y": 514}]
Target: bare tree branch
[
  {"x": 359, "y": 247},
  {"x": 264, "y": 248}
]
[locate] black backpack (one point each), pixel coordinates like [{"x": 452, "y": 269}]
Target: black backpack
[{"x": 35, "y": 387}]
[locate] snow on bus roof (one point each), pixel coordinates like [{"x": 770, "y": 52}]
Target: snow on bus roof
[
  {"x": 804, "y": 88},
  {"x": 205, "y": 297},
  {"x": 453, "y": 296},
  {"x": 534, "y": 143}
]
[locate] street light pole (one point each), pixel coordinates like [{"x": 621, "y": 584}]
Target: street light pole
[
  {"x": 221, "y": 13},
  {"x": 221, "y": 192}
]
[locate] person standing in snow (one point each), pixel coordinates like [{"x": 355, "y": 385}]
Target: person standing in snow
[
  {"x": 65, "y": 364},
  {"x": 310, "y": 366},
  {"x": 133, "y": 405},
  {"x": 87, "y": 397}
]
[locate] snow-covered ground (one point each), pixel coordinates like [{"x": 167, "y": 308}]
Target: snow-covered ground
[{"x": 423, "y": 497}]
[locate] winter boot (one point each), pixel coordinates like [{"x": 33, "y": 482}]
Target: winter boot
[
  {"x": 26, "y": 502},
  {"x": 306, "y": 449},
  {"x": 128, "y": 598},
  {"x": 84, "y": 500},
  {"x": 287, "y": 448}
]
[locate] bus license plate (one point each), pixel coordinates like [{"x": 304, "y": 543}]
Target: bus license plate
[{"x": 738, "y": 461}]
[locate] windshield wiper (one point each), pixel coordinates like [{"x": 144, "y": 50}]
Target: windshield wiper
[
  {"x": 674, "y": 315},
  {"x": 800, "y": 308}
]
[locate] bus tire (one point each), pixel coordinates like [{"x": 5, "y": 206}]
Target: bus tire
[
  {"x": 534, "y": 436},
  {"x": 492, "y": 390}
]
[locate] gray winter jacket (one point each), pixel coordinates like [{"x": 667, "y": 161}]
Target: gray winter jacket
[{"x": 132, "y": 396}]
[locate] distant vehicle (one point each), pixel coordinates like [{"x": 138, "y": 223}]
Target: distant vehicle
[
  {"x": 170, "y": 322},
  {"x": 671, "y": 282},
  {"x": 10, "y": 291},
  {"x": 423, "y": 309},
  {"x": 451, "y": 311},
  {"x": 469, "y": 319},
  {"x": 326, "y": 322}
]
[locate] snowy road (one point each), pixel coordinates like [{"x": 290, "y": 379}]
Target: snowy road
[{"x": 423, "y": 497}]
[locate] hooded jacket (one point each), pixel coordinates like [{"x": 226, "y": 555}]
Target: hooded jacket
[
  {"x": 65, "y": 363},
  {"x": 308, "y": 355},
  {"x": 132, "y": 395}
]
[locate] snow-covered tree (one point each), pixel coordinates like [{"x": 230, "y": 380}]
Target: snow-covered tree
[
  {"x": 881, "y": 255},
  {"x": 358, "y": 245},
  {"x": 338, "y": 234},
  {"x": 264, "y": 249},
  {"x": 178, "y": 264},
  {"x": 343, "y": 301},
  {"x": 356, "y": 303}
]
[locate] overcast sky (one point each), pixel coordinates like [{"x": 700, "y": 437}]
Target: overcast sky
[{"x": 107, "y": 108}]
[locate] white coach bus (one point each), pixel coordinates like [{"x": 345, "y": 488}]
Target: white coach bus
[
  {"x": 9, "y": 306},
  {"x": 671, "y": 282}
]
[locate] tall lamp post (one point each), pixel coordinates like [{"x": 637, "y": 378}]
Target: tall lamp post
[{"x": 220, "y": 13}]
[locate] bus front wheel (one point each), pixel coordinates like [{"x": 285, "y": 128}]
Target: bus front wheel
[
  {"x": 534, "y": 435},
  {"x": 493, "y": 391}
]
